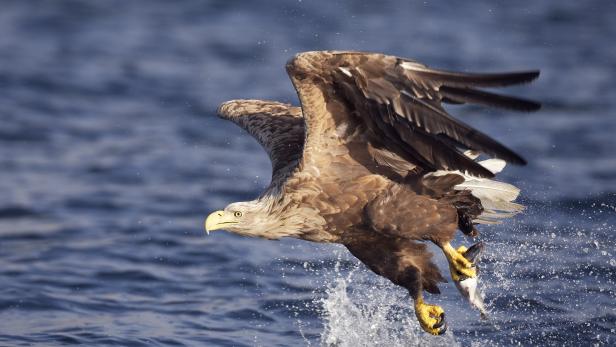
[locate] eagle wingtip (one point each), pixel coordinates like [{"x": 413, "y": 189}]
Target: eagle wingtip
[
  {"x": 532, "y": 106},
  {"x": 534, "y": 74},
  {"x": 521, "y": 161}
]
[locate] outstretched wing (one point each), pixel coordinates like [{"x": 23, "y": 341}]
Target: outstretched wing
[
  {"x": 278, "y": 127},
  {"x": 398, "y": 103}
]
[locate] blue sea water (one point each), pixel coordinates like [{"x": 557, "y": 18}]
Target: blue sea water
[{"x": 111, "y": 157}]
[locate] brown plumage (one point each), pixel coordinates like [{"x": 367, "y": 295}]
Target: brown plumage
[{"x": 373, "y": 161}]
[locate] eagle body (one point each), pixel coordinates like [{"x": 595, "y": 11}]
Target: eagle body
[{"x": 373, "y": 161}]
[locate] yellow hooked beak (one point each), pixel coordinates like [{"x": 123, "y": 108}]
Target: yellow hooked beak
[{"x": 217, "y": 220}]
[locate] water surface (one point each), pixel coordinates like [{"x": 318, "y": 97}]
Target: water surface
[{"x": 111, "y": 157}]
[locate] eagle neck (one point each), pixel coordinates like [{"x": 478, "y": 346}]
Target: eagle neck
[{"x": 276, "y": 221}]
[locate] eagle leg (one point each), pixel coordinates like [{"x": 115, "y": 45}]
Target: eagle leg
[
  {"x": 406, "y": 263},
  {"x": 431, "y": 317},
  {"x": 459, "y": 266}
]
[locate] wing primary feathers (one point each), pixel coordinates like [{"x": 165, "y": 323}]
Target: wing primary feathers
[
  {"x": 459, "y": 131},
  {"x": 459, "y": 79},
  {"x": 469, "y": 95},
  {"x": 440, "y": 154}
]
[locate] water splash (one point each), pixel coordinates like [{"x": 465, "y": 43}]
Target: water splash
[{"x": 358, "y": 312}]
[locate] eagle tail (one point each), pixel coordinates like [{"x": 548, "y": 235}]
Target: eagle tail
[{"x": 497, "y": 198}]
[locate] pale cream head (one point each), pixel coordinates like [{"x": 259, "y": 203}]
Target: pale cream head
[{"x": 238, "y": 217}]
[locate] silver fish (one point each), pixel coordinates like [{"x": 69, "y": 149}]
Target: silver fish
[{"x": 468, "y": 285}]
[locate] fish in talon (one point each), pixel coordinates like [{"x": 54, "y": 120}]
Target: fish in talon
[{"x": 467, "y": 286}]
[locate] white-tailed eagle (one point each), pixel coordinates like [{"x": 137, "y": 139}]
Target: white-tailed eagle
[{"x": 373, "y": 161}]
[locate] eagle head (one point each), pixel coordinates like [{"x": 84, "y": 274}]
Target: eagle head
[
  {"x": 238, "y": 217},
  {"x": 254, "y": 218}
]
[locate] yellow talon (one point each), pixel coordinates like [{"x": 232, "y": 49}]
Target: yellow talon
[
  {"x": 431, "y": 317},
  {"x": 462, "y": 249},
  {"x": 459, "y": 266}
]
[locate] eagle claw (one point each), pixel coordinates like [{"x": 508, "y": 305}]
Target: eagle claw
[
  {"x": 471, "y": 254},
  {"x": 441, "y": 321},
  {"x": 459, "y": 266},
  {"x": 431, "y": 318}
]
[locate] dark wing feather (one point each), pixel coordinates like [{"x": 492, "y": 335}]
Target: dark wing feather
[
  {"x": 465, "y": 79},
  {"x": 278, "y": 127},
  {"x": 402, "y": 100},
  {"x": 474, "y": 96}
]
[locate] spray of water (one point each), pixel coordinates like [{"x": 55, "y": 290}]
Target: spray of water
[{"x": 357, "y": 312}]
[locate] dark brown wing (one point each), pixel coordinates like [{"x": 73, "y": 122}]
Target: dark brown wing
[
  {"x": 400, "y": 101},
  {"x": 278, "y": 127}
]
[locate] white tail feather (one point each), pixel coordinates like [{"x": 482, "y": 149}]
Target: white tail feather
[
  {"x": 490, "y": 190},
  {"x": 496, "y": 197}
]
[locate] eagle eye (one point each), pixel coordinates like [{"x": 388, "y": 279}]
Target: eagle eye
[{"x": 237, "y": 214}]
